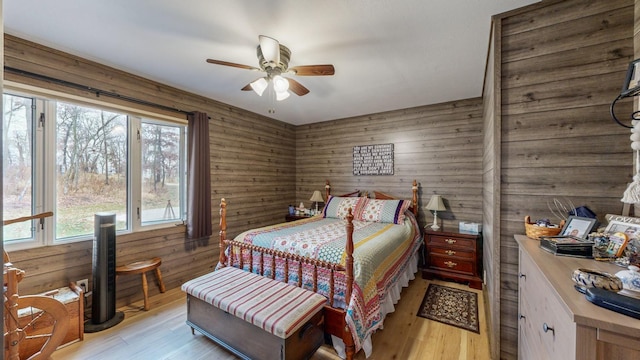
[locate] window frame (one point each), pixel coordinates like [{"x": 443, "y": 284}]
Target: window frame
[{"x": 45, "y": 163}]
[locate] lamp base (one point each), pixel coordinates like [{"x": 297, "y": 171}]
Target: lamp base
[{"x": 435, "y": 226}]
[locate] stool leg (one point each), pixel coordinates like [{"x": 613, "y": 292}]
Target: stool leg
[
  {"x": 145, "y": 291},
  {"x": 160, "y": 282}
]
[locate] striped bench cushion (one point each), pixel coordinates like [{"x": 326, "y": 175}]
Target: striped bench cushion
[{"x": 274, "y": 306}]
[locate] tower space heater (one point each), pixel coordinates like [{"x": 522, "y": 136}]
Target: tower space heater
[{"x": 103, "y": 305}]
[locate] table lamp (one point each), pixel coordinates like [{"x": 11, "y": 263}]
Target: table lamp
[
  {"x": 317, "y": 197},
  {"x": 435, "y": 204}
]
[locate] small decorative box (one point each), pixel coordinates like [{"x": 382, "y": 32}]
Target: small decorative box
[{"x": 469, "y": 227}]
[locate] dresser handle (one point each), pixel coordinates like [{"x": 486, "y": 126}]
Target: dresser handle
[
  {"x": 521, "y": 275},
  {"x": 546, "y": 328},
  {"x": 450, "y": 241},
  {"x": 450, "y": 264},
  {"x": 450, "y": 252}
]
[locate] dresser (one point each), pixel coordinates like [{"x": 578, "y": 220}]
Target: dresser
[
  {"x": 557, "y": 322},
  {"x": 453, "y": 256}
]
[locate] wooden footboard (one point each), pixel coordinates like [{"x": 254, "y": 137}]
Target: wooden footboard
[{"x": 335, "y": 318}]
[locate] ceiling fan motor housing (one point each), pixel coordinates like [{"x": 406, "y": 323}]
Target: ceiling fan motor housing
[{"x": 283, "y": 65}]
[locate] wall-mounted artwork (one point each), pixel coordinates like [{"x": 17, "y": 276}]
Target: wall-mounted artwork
[{"x": 373, "y": 159}]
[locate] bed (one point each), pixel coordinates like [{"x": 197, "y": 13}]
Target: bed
[{"x": 358, "y": 253}]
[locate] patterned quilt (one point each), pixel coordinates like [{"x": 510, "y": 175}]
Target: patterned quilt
[{"x": 381, "y": 253}]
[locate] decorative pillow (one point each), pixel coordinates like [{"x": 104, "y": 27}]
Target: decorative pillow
[
  {"x": 337, "y": 207},
  {"x": 385, "y": 211}
]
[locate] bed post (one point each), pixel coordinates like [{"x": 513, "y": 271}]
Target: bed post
[
  {"x": 350, "y": 348},
  {"x": 223, "y": 232},
  {"x": 349, "y": 259},
  {"x": 414, "y": 199},
  {"x": 327, "y": 190}
]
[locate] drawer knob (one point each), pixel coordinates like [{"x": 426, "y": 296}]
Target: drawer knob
[
  {"x": 450, "y": 252},
  {"x": 450, "y": 241},
  {"x": 547, "y": 328},
  {"x": 522, "y": 276},
  {"x": 522, "y": 317},
  {"x": 450, "y": 264}
]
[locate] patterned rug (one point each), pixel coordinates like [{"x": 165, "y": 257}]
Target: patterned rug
[{"x": 451, "y": 306}]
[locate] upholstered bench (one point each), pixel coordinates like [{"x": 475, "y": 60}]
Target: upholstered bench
[{"x": 255, "y": 317}]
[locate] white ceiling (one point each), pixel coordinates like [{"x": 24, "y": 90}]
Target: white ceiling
[{"x": 387, "y": 54}]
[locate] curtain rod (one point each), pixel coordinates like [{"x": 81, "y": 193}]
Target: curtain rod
[{"x": 98, "y": 92}]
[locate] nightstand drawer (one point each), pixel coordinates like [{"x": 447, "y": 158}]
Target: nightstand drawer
[
  {"x": 452, "y": 241},
  {"x": 453, "y": 256},
  {"x": 452, "y": 264},
  {"x": 451, "y": 252}
]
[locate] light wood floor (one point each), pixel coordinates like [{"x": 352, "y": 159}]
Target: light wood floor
[{"x": 161, "y": 333}]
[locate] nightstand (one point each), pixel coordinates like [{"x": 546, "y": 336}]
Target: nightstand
[
  {"x": 296, "y": 217},
  {"x": 454, "y": 256}
]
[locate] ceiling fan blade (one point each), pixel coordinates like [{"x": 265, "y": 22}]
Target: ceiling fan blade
[
  {"x": 313, "y": 70},
  {"x": 226, "y": 63},
  {"x": 297, "y": 88},
  {"x": 270, "y": 48}
]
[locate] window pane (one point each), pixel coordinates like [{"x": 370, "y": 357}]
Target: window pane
[
  {"x": 91, "y": 168},
  {"x": 161, "y": 179},
  {"x": 17, "y": 172}
]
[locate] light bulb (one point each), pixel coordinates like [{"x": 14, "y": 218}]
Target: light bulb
[{"x": 280, "y": 84}]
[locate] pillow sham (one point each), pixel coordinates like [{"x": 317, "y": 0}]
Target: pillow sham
[
  {"x": 384, "y": 211},
  {"x": 337, "y": 207}
]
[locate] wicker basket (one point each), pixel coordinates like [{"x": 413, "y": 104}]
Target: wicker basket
[{"x": 534, "y": 231}]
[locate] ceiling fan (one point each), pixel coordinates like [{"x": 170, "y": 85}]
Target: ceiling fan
[{"x": 273, "y": 58}]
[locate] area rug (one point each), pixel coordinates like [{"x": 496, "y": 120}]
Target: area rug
[{"x": 451, "y": 306}]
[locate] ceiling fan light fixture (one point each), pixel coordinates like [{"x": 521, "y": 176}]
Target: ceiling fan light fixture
[
  {"x": 259, "y": 86},
  {"x": 281, "y": 95},
  {"x": 280, "y": 84}
]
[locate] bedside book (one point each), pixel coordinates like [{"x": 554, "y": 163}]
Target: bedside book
[{"x": 567, "y": 246}]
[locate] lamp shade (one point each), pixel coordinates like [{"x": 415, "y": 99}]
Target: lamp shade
[
  {"x": 259, "y": 86},
  {"x": 436, "y": 203},
  {"x": 317, "y": 196}
]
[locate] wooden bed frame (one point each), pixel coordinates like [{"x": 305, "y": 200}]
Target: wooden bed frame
[{"x": 334, "y": 317}]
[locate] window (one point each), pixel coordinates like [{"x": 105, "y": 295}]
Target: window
[
  {"x": 161, "y": 172},
  {"x": 77, "y": 160},
  {"x": 18, "y": 165},
  {"x": 91, "y": 168}
]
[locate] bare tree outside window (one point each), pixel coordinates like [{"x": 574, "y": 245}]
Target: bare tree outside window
[
  {"x": 160, "y": 172},
  {"x": 17, "y": 172},
  {"x": 91, "y": 168}
]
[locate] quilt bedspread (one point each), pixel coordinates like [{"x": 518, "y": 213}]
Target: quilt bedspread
[{"x": 381, "y": 253}]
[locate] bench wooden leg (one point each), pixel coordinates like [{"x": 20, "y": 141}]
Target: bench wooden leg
[
  {"x": 160, "y": 282},
  {"x": 145, "y": 291}
]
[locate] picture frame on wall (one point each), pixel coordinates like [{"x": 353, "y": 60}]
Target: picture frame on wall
[{"x": 578, "y": 226}]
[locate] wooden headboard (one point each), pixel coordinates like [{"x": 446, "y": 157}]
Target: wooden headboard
[
  {"x": 382, "y": 196},
  {"x": 414, "y": 198}
]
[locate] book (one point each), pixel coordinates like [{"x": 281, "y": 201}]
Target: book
[{"x": 567, "y": 246}]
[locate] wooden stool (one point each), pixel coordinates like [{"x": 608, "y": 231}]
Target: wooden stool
[{"x": 141, "y": 267}]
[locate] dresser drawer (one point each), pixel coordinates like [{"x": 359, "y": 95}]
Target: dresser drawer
[
  {"x": 466, "y": 254},
  {"x": 452, "y": 264},
  {"x": 546, "y": 323},
  {"x": 451, "y": 241}
]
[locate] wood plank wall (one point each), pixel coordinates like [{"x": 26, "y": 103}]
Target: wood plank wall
[
  {"x": 252, "y": 166},
  {"x": 562, "y": 65},
  {"x": 491, "y": 187},
  {"x": 438, "y": 145}
]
